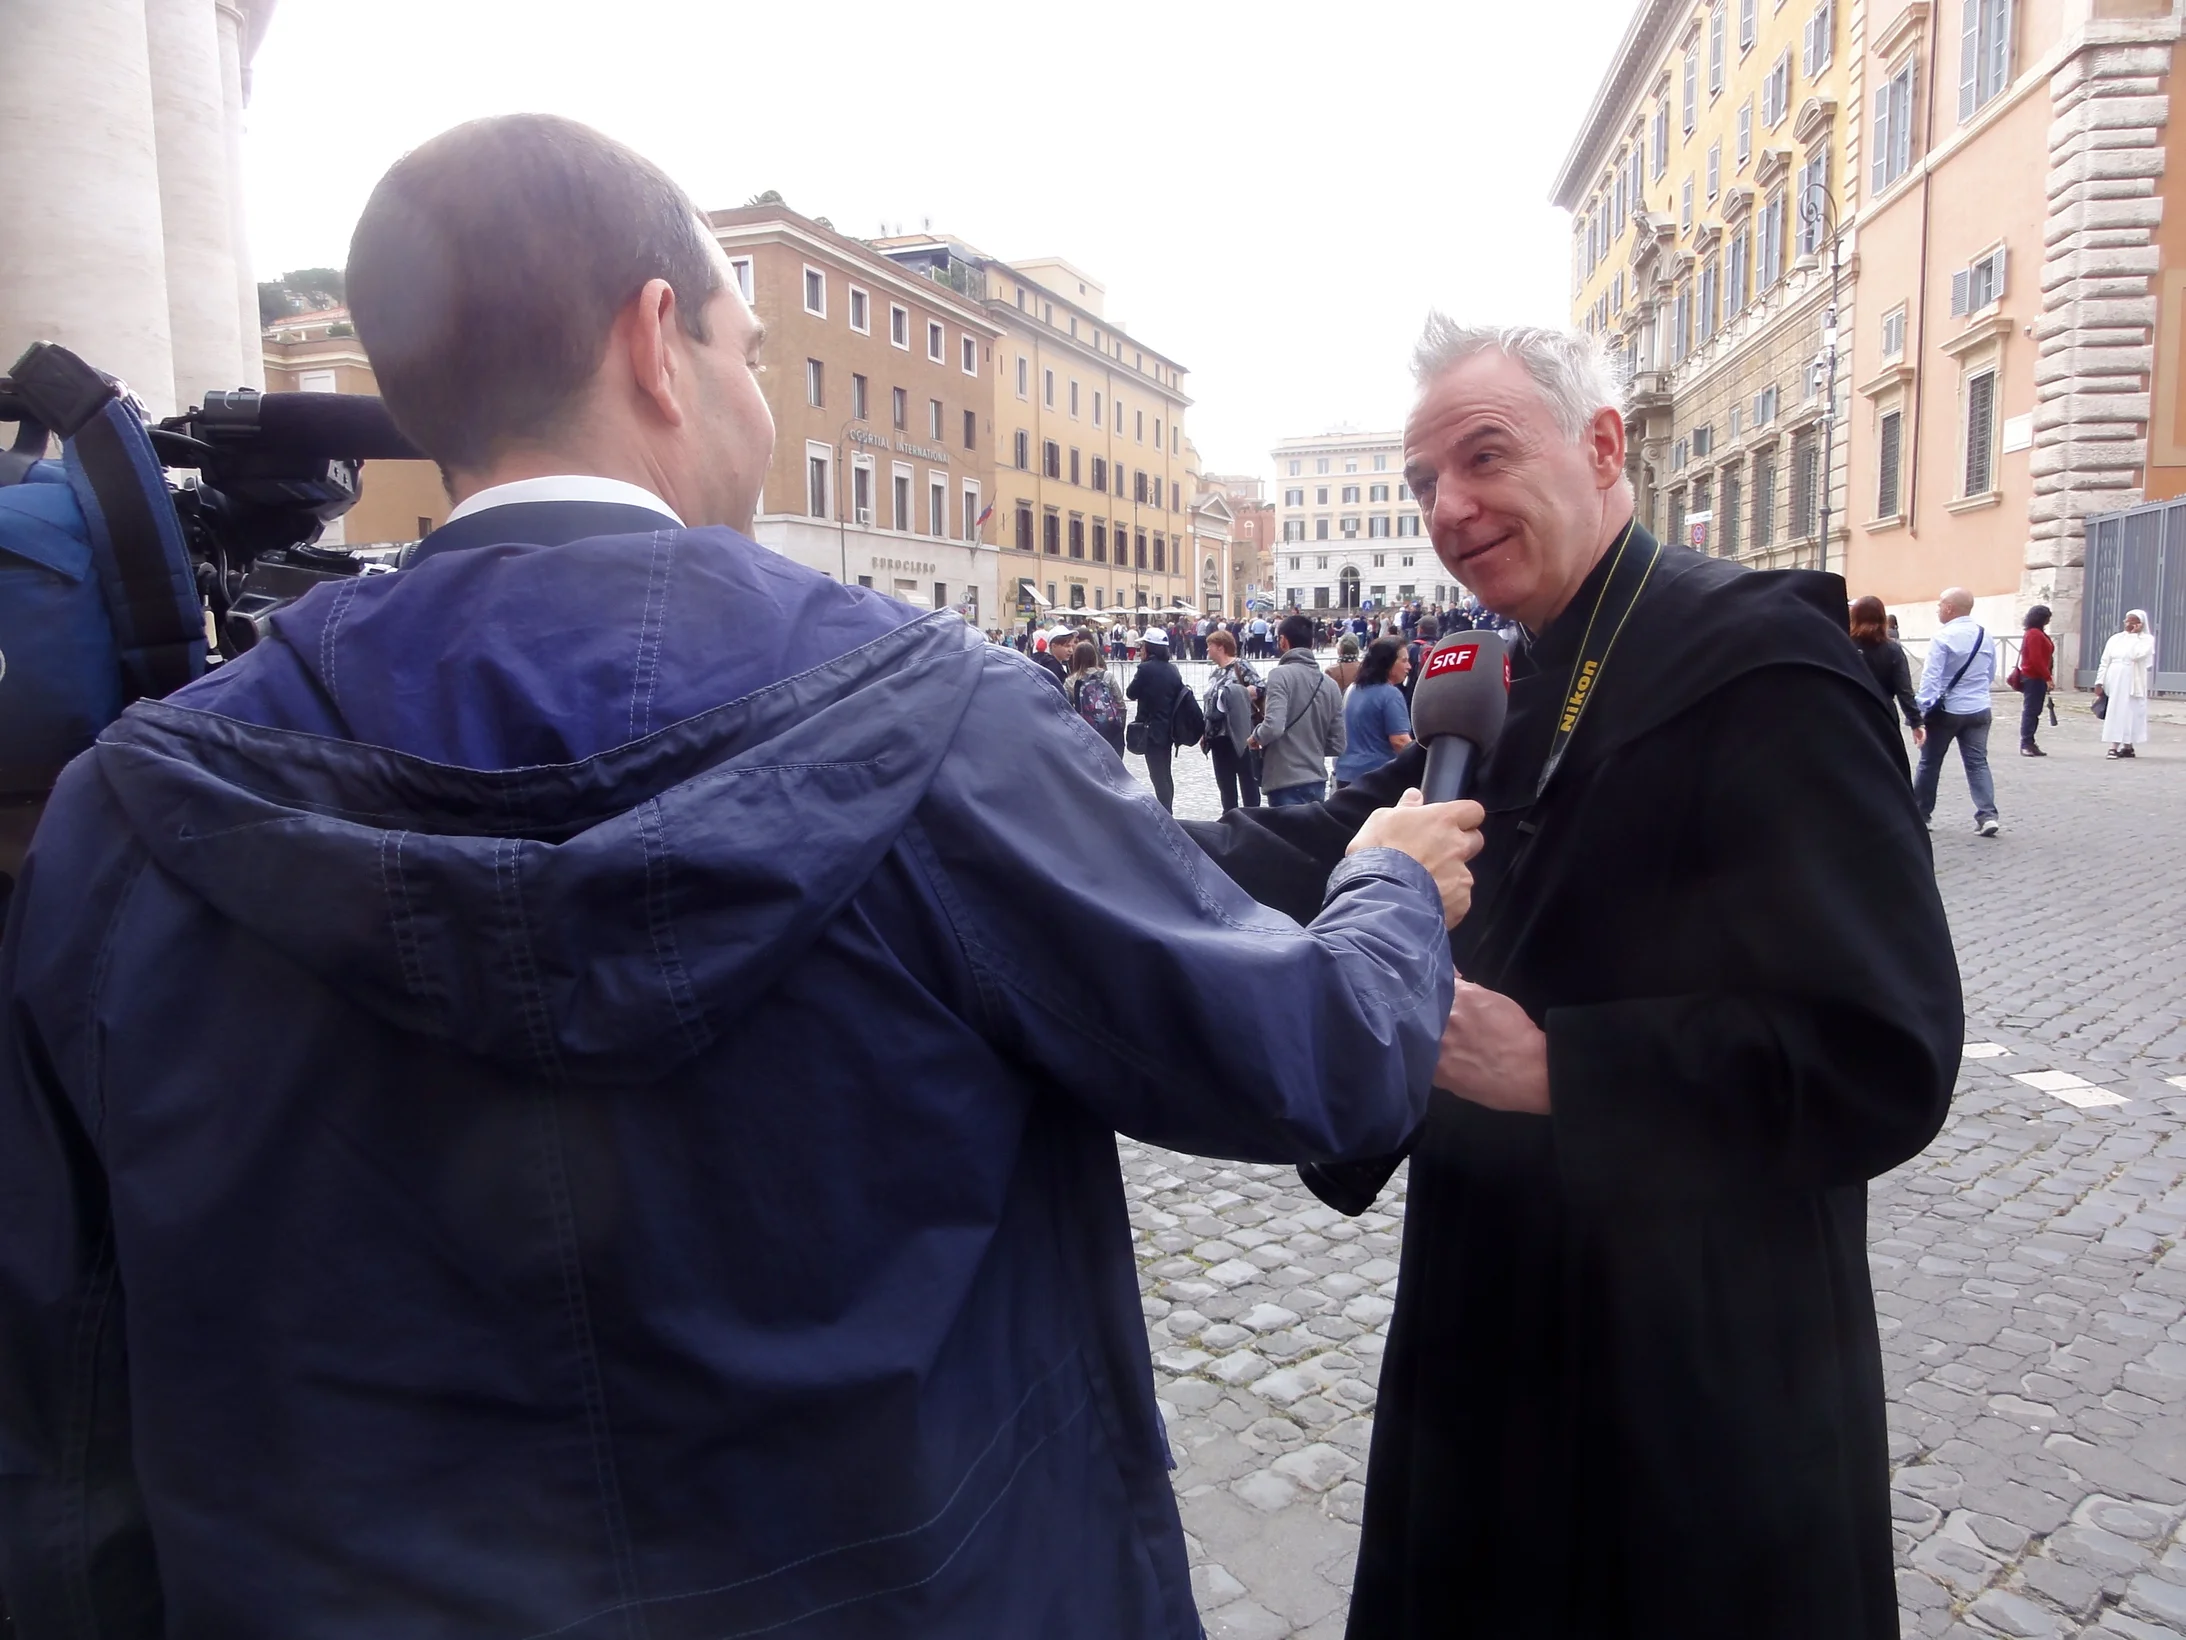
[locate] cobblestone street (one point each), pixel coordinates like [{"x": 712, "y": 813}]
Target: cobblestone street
[{"x": 2029, "y": 1268}]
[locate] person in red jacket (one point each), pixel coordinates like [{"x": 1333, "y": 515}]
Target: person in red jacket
[{"x": 2034, "y": 677}]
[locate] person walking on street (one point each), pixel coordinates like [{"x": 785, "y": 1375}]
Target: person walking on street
[
  {"x": 1954, "y": 705},
  {"x": 1155, "y": 686},
  {"x": 1885, "y": 658},
  {"x": 1093, "y": 695},
  {"x": 2034, "y": 677},
  {"x": 1303, "y": 725},
  {"x": 1376, "y": 723},
  {"x": 1229, "y": 725},
  {"x": 2122, "y": 680},
  {"x": 1424, "y": 637}
]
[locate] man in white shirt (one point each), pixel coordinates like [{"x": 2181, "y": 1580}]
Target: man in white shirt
[{"x": 1954, "y": 704}]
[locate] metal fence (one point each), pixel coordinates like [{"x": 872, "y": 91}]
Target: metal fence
[{"x": 2136, "y": 559}]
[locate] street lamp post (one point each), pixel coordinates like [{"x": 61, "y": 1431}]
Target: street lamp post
[{"x": 1820, "y": 213}]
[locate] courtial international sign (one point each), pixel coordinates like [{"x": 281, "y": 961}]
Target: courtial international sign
[{"x": 902, "y": 446}]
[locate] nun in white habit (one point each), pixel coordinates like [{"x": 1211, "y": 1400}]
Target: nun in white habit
[{"x": 2124, "y": 677}]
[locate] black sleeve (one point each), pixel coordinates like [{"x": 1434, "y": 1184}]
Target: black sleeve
[
  {"x": 1823, "y": 1047},
  {"x": 1901, "y": 689},
  {"x": 1282, "y": 857}
]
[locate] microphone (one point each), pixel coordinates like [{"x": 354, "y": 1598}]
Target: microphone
[
  {"x": 303, "y": 426},
  {"x": 1457, "y": 709}
]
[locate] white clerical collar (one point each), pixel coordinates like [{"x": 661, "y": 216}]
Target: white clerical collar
[{"x": 566, "y": 487}]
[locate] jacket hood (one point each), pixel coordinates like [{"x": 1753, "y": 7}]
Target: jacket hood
[{"x": 599, "y": 921}]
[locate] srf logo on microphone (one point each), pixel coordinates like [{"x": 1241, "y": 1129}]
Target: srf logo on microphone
[{"x": 1457, "y": 658}]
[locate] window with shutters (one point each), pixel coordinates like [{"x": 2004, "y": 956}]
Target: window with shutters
[
  {"x": 1711, "y": 285},
  {"x": 1893, "y": 333},
  {"x": 900, "y": 493},
  {"x": 1680, "y": 454},
  {"x": 1024, "y": 369},
  {"x": 1726, "y": 515},
  {"x": 1716, "y": 23},
  {"x": 1077, "y": 536},
  {"x": 1984, "y": 53},
  {"x": 1764, "y": 406},
  {"x": 1745, "y": 132},
  {"x": 937, "y": 508},
  {"x": 1806, "y": 461},
  {"x": 899, "y": 409},
  {"x": 1980, "y": 473},
  {"x": 1737, "y": 270},
  {"x": 816, "y": 485},
  {"x": 1749, "y": 23},
  {"x": 1764, "y": 500},
  {"x": 1681, "y": 324},
  {"x": 1813, "y": 177},
  {"x": 1021, "y": 442},
  {"x": 1685, "y": 206},
  {"x": 1894, "y": 128},
  {"x": 858, "y": 392},
  {"x": 1100, "y": 541},
  {"x": 1889, "y": 432},
  {"x": 1677, "y": 517},
  {"x": 1776, "y": 92},
  {"x": 1051, "y": 533},
  {"x": 815, "y": 382},
  {"x": 1817, "y": 39},
  {"x": 934, "y": 420},
  {"x": 1074, "y": 469},
  {"x": 1100, "y": 473},
  {"x": 1715, "y": 169},
  {"x": 1658, "y": 157},
  {"x": 1024, "y": 528},
  {"x": 1769, "y": 246},
  {"x": 1704, "y": 440},
  {"x": 1689, "y": 97},
  {"x": 1978, "y": 286},
  {"x": 1051, "y": 458}
]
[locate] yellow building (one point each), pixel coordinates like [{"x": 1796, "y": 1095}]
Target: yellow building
[
  {"x": 1705, "y": 186},
  {"x": 1094, "y": 476}
]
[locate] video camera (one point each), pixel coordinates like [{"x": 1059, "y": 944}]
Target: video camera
[{"x": 273, "y": 470}]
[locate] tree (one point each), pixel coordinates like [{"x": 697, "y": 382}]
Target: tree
[{"x": 304, "y": 290}]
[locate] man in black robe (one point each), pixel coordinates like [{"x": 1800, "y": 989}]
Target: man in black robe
[{"x": 1633, "y": 1385}]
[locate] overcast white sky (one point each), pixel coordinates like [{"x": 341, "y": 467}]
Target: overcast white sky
[{"x": 1273, "y": 195}]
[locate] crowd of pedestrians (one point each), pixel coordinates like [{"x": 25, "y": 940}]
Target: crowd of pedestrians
[{"x": 1951, "y": 705}]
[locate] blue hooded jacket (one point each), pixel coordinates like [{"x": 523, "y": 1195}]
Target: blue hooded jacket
[{"x": 570, "y": 1093}]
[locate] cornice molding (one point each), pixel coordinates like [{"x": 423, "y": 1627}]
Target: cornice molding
[
  {"x": 1902, "y": 30},
  {"x": 1814, "y": 118},
  {"x": 1635, "y": 61},
  {"x": 1995, "y": 328}
]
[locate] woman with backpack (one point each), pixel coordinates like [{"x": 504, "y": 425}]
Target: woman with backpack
[{"x": 1093, "y": 696}]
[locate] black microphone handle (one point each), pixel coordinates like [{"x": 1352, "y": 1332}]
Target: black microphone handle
[{"x": 1449, "y": 768}]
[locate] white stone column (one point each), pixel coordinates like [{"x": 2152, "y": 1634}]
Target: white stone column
[
  {"x": 190, "y": 117},
  {"x": 251, "y": 366},
  {"x": 2096, "y": 336},
  {"x": 82, "y": 256}
]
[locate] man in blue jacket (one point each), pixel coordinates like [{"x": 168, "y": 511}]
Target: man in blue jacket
[{"x": 544, "y": 1099}]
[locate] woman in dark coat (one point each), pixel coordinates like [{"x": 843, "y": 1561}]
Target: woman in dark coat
[
  {"x": 1885, "y": 658},
  {"x": 2036, "y": 676}
]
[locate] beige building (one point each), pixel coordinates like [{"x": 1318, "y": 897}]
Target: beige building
[
  {"x": 1249, "y": 578},
  {"x": 2013, "y": 241},
  {"x": 1351, "y": 533},
  {"x": 1094, "y": 476},
  {"x": 884, "y": 428},
  {"x": 1704, "y": 187}
]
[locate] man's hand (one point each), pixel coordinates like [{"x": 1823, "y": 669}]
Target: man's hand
[
  {"x": 1493, "y": 1054},
  {"x": 1440, "y": 836}
]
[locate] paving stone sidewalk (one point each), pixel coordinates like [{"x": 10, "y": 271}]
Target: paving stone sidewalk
[{"x": 2030, "y": 1267}]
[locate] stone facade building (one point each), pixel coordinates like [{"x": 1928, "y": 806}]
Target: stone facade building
[
  {"x": 121, "y": 123},
  {"x": 1095, "y": 476},
  {"x": 1704, "y": 187},
  {"x": 884, "y": 435},
  {"x": 1352, "y": 536},
  {"x": 1250, "y": 578}
]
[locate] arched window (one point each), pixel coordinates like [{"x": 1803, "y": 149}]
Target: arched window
[{"x": 1349, "y": 580}]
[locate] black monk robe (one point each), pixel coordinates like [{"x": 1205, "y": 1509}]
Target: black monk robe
[{"x": 1633, "y": 1385}]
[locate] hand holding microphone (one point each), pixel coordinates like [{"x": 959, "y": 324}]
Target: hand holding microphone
[{"x": 1441, "y": 837}]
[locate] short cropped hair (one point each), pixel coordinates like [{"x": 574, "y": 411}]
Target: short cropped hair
[
  {"x": 1297, "y": 631},
  {"x": 488, "y": 268},
  {"x": 1575, "y": 372},
  {"x": 1219, "y": 639}
]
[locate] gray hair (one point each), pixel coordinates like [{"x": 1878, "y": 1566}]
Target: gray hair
[{"x": 1577, "y": 374}]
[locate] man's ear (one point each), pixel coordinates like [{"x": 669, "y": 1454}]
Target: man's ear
[
  {"x": 1605, "y": 446},
  {"x": 648, "y": 331}
]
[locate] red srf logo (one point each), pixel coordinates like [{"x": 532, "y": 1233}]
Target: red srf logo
[{"x": 1457, "y": 658}]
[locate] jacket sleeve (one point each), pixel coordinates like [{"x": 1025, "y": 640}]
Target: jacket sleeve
[
  {"x": 1901, "y": 688},
  {"x": 1339, "y": 734},
  {"x": 1275, "y": 717},
  {"x": 76, "y": 1553},
  {"x": 1282, "y": 857},
  {"x": 1826, "y": 1051},
  {"x": 1134, "y": 1014}
]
